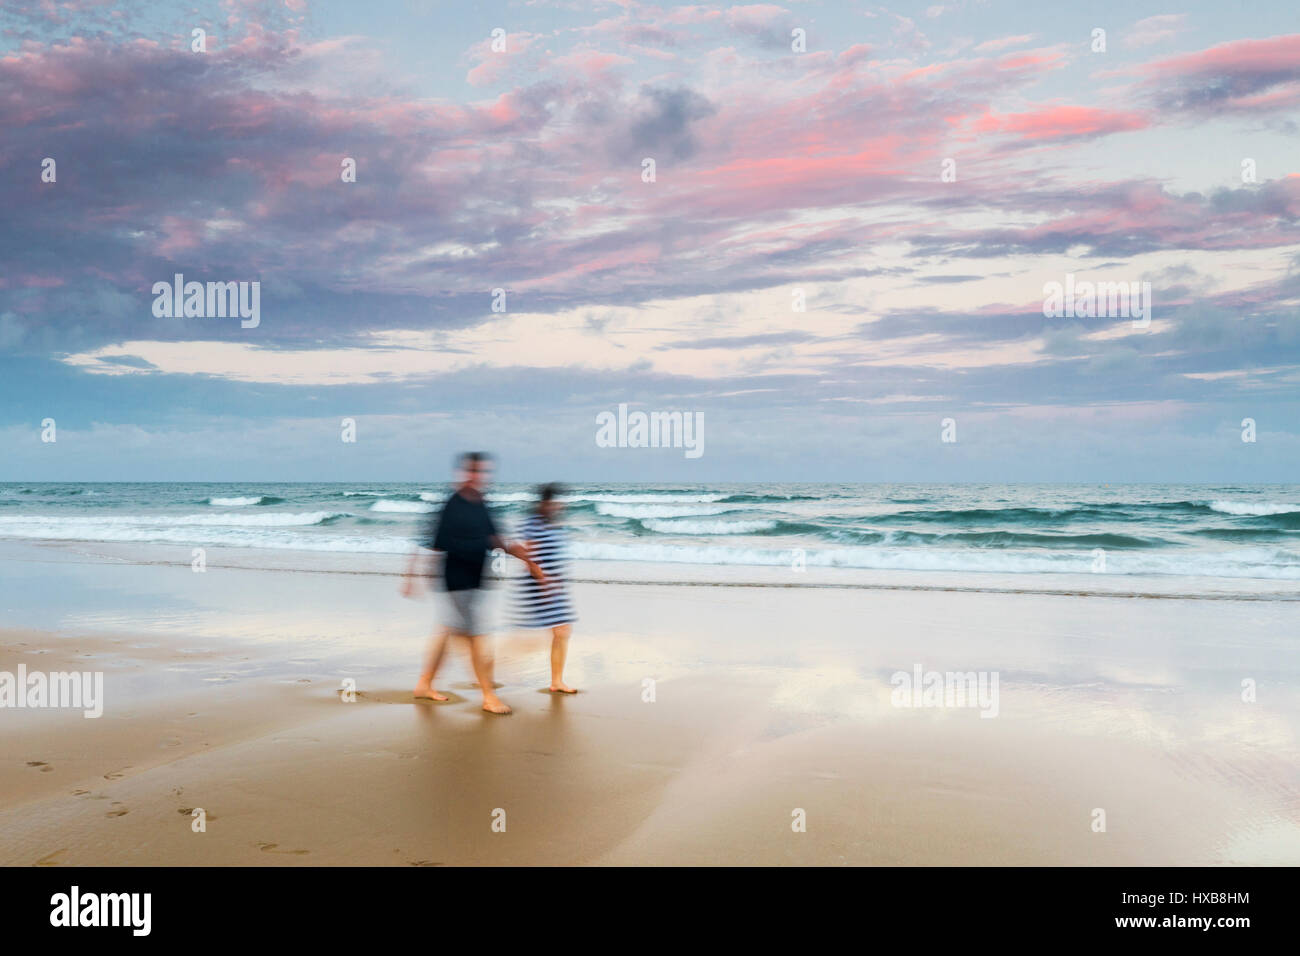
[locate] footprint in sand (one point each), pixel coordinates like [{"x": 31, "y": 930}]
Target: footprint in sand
[
  {"x": 423, "y": 863},
  {"x": 45, "y": 768},
  {"x": 189, "y": 812},
  {"x": 116, "y": 774},
  {"x": 120, "y": 812},
  {"x": 271, "y": 848},
  {"x": 80, "y": 793},
  {"x": 50, "y": 860}
]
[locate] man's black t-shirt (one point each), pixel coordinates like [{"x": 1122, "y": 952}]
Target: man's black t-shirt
[{"x": 463, "y": 531}]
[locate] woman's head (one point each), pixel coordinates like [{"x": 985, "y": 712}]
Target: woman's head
[{"x": 549, "y": 505}]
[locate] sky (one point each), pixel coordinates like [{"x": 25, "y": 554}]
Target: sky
[{"x": 841, "y": 259}]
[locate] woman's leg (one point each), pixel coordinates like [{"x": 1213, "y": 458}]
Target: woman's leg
[{"x": 559, "y": 651}]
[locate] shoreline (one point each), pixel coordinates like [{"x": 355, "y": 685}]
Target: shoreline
[{"x": 1153, "y": 587}]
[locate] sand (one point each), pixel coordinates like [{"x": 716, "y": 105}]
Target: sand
[{"x": 769, "y": 704}]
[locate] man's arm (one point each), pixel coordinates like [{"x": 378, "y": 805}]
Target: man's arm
[
  {"x": 413, "y": 571},
  {"x": 426, "y": 550}
]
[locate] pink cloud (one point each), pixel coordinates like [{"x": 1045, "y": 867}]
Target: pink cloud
[
  {"x": 1274, "y": 55},
  {"x": 1233, "y": 77},
  {"x": 1062, "y": 122},
  {"x": 492, "y": 66},
  {"x": 992, "y": 46},
  {"x": 528, "y": 178},
  {"x": 591, "y": 64}
]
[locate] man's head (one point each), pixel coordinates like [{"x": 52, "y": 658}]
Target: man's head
[{"x": 475, "y": 470}]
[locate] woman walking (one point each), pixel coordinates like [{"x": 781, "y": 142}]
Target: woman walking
[{"x": 546, "y": 603}]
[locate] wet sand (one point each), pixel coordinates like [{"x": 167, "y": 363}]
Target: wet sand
[{"x": 225, "y": 695}]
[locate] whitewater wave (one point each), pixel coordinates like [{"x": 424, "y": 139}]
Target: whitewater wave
[
  {"x": 402, "y": 507},
  {"x": 243, "y": 502},
  {"x": 585, "y": 500},
  {"x": 664, "y": 497},
  {"x": 238, "y": 537},
  {"x": 1275, "y": 564},
  {"x": 1023, "y": 539},
  {"x": 1017, "y": 515},
  {"x": 694, "y": 526},
  {"x": 744, "y": 497},
  {"x": 1253, "y": 508},
  {"x": 91, "y": 525},
  {"x": 659, "y": 511}
]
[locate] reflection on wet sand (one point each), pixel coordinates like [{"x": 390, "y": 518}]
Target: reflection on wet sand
[{"x": 225, "y": 694}]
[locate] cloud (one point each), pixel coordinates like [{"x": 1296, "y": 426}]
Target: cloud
[
  {"x": 775, "y": 171},
  {"x": 1235, "y": 77},
  {"x": 1157, "y": 29},
  {"x": 1001, "y": 43},
  {"x": 1062, "y": 123},
  {"x": 662, "y": 124}
]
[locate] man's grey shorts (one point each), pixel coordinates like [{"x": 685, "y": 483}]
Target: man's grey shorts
[{"x": 463, "y": 611}]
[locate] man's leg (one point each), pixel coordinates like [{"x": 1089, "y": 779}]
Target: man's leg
[
  {"x": 437, "y": 647},
  {"x": 482, "y": 661},
  {"x": 560, "y": 651}
]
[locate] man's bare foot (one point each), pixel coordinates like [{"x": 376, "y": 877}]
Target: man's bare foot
[
  {"x": 425, "y": 692},
  {"x": 560, "y": 687},
  {"x": 494, "y": 705}
]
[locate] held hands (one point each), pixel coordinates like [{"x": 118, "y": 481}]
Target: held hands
[{"x": 539, "y": 576}]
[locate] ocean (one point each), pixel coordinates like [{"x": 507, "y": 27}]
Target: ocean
[{"x": 1230, "y": 531}]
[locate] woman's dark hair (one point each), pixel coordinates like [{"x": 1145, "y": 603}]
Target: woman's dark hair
[{"x": 548, "y": 492}]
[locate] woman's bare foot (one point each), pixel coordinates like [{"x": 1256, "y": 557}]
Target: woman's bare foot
[
  {"x": 560, "y": 687},
  {"x": 425, "y": 692},
  {"x": 494, "y": 705}
]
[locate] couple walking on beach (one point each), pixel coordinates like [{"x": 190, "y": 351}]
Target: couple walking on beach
[{"x": 464, "y": 533}]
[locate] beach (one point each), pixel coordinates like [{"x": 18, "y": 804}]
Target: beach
[{"x": 718, "y": 723}]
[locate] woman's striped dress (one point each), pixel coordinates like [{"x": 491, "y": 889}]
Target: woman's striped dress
[{"x": 533, "y": 606}]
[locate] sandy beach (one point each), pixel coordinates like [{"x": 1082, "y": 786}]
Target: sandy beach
[{"x": 224, "y": 691}]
